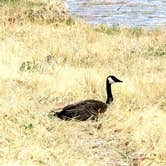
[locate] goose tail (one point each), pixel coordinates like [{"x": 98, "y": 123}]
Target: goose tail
[{"x": 54, "y": 113}]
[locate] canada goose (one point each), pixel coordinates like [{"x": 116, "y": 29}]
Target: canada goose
[{"x": 88, "y": 109}]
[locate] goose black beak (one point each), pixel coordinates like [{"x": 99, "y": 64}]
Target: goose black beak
[{"x": 117, "y": 80}]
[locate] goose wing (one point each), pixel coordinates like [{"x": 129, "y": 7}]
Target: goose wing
[
  {"x": 87, "y": 104},
  {"x": 83, "y": 110}
]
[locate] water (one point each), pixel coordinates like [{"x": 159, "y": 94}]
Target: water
[{"x": 130, "y": 13}]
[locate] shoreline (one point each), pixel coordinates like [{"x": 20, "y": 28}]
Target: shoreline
[{"x": 51, "y": 13}]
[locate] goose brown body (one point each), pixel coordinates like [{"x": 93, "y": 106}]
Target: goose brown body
[{"x": 88, "y": 109}]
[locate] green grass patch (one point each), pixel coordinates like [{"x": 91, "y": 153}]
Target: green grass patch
[{"x": 108, "y": 30}]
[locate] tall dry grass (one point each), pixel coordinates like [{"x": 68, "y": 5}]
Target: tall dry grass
[{"x": 131, "y": 132}]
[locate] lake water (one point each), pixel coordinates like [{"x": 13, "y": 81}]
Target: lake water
[{"x": 130, "y": 13}]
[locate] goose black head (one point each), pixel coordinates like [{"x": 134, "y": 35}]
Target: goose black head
[{"x": 112, "y": 79}]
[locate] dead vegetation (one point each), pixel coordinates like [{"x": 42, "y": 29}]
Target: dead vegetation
[
  {"x": 36, "y": 12},
  {"x": 45, "y": 64}
]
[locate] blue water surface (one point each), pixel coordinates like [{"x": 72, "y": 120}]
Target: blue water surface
[{"x": 130, "y": 13}]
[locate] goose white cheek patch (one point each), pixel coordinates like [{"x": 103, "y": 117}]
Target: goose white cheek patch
[{"x": 110, "y": 80}]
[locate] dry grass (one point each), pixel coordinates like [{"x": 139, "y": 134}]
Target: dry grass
[
  {"x": 36, "y": 11},
  {"x": 132, "y": 132}
]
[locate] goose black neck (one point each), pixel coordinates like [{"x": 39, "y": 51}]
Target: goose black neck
[{"x": 109, "y": 93}]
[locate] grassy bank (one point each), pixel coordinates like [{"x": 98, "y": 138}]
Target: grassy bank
[{"x": 132, "y": 132}]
